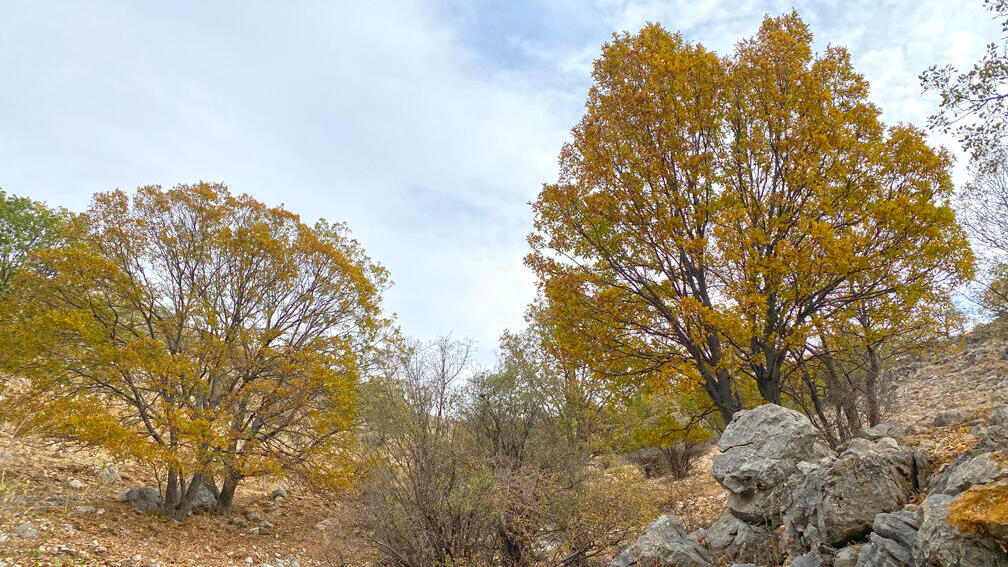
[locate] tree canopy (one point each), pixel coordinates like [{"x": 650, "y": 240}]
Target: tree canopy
[
  {"x": 710, "y": 211},
  {"x": 201, "y": 331}
]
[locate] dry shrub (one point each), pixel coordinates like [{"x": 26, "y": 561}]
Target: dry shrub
[
  {"x": 601, "y": 514},
  {"x": 678, "y": 460}
]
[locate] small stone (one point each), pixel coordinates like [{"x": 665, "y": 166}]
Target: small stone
[
  {"x": 109, "y": 474},
  {"x": 76, "y": 484},
  {"x": 278, "y": 493},
  {"x": 85, "y": 509},
  {"x": 26, "y": 530},
  {"x": 248, "y": 560},
  {"x": 254, "y": 517},
  {"x": 951, "y": 417}
]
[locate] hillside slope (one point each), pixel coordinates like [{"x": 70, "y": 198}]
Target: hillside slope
[{"x": 76, "y": 518}]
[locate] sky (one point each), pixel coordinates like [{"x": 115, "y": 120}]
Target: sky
[{"x": 427, "y": 126}]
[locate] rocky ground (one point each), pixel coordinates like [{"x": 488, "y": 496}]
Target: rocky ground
[
  {"x": 58, "y": 508},
  {"x": 69, "y": 513},
  {"x": 928, "y": 490}
]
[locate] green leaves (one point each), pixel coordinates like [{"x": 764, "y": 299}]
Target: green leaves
[{"x": 25, "y": 227}]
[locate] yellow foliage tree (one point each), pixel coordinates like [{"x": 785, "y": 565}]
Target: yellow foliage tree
[
  {"x": 203, "y": 332},
  {"x": 710, "y": 210}
]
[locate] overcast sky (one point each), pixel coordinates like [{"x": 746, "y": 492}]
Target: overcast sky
[{"x": 427, "y": 126}]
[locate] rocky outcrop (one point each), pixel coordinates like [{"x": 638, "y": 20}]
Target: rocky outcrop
[
  {"x": 837, "y": 502},
  {"x": 940, "y": 544},
  {"x": 664, "y": 543},
  {"x": 760, "y": 449},
  {"x": 845, "y": 510}
]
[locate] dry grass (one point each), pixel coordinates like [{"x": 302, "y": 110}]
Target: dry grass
[{"x": 698, "y": 499}]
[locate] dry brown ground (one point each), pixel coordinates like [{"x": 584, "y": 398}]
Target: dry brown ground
[
  {"x": 120, "y": 534},
  {"x": 973, "y": 377}
]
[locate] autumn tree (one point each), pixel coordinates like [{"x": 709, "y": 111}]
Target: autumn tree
[
  {"x": 26, "y": 226},
  {"x": 710, "y": 210},
  {"x": 205, "y": 333}
]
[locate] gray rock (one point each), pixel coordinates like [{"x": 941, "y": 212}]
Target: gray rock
[
  {"x": 204, "y": 500},
  {"x": 847, "y": 557},
  {"x": 965, "y": 472},
  {"x": 940, "y": 544},
  {"x": 951, "y": 417},
  {"x": 838, "y": 502},
  {"x": 883, "y": 552},
  {"x": 85, "y": 509},
  {"x": 760, "y": 449},
  {"x": 892, "y": 429},
  {"x": 734, "y": 538},
  {"x": 810, "y": 559},
  {"x": 75, "y": 484},
  {"x": 664, "y": 543},
  {"x": 891, "y": 541},
  {"x": 900, "y": 527},
  {"x": 143, "y": 498},
  {"x": 279, "y": 493},
  {"x": 997, "y": 429},
  {"x": 26, "y": 530},
  {"x": 109, "y": 474}
]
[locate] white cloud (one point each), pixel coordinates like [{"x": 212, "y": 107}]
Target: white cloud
[{"x": 428, "y": 132}]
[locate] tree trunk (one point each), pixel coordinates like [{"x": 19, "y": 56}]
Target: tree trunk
[
  {"x": 171, "y": 492},
  {"x": 186, "y": 502},
  {"x": 718, "y": 387},
  {"x": 871, "y": 385},
  {"x": 769, "y": 386},
  {"x": 226, "y": 496},
  {"x": 827, "y": 427}
]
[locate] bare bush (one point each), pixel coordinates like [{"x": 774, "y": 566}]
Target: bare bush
[{"x": 678, "y": 459}]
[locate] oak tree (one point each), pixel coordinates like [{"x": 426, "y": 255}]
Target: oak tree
[
  {"x": 711, "y": 210},
  {"x": 203, "y": 332}
]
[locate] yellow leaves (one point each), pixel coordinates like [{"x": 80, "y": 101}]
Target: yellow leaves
[
  {"x": 709, "y": 209},
  {"x": 200, "y": 328}
]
